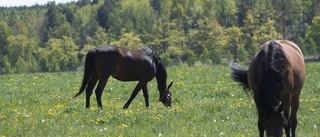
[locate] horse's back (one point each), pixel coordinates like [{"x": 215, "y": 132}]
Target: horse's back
[
  {"x": 125, "y": 64},
  {"x": 296, "y": 60},
  {"x": 295, "y": 66}
]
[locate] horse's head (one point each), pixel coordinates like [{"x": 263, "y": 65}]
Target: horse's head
[
  {"x": 274, "y": 122},
  {"x": 166, "y": 97}
]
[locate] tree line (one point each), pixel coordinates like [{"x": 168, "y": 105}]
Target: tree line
[{"x": 56, "y": 37}]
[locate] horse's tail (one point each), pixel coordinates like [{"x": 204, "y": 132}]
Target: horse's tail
[
  {"x": 240, "y": 75},
  {"x": 271, "y": 84},
  {"x": 87, "y": 70}
]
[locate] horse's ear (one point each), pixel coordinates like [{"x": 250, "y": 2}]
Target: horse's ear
[
  {"x": 170, "y": 84},
  {"x": 281, "y": 108}
]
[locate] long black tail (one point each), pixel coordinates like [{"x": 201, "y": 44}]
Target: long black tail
[
  {"x": 87, "y": 70},
  {"x": 240, "y": 75}
]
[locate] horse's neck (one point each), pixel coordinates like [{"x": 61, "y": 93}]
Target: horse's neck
[{"x": 161, "y": 78}]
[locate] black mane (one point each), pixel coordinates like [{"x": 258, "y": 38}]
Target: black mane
[{"x": 270, "y": 86}]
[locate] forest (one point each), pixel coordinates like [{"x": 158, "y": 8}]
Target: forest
[{"x": 56, "y": 37}]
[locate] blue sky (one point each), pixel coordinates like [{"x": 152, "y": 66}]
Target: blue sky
[{"x": 11, "y": 3}]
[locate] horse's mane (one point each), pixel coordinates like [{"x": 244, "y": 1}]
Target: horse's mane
[
  {"x": 270, "y": 86},
  {"x": 161, "y": 72}
]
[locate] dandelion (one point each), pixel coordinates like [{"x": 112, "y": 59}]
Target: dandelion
[
  {"x": 232, "y": 107},
  {"x": 122, "y": 126}
]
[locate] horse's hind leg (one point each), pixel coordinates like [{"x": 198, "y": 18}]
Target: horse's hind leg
[
  {"x": 134, "y": 94},
  {"x": 293, "y": 117},
  {"x": 89, "y": 89},
  {"x": 146, "y": 96},
  {"x": 101, "y": 85}
]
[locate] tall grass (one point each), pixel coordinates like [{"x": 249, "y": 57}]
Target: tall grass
[{"x": 206, "y": 103}]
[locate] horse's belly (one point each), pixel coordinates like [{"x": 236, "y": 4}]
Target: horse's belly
[{"x": 125, "y": 76}]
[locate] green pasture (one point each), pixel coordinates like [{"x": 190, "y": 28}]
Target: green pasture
[{"x": 206, "y": 103}]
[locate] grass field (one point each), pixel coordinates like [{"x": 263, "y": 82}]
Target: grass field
[{"x": 206, "y": 103}]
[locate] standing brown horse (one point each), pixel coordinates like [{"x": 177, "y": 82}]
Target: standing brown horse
[
  {"x": 276, "y": 75},
  {"x": 125, "y": 65}
]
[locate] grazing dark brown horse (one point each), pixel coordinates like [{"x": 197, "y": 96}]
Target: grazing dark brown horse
[
  {"x": 125, "y": 65},
  {"x": 276, "y": 75}
]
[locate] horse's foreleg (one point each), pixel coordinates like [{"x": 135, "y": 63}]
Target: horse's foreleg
[
  {"x": 89, "y": 89},
  {"x": 101, "y": 85},
  {"x": 286, "y": 115},
  {"x": 134, "y": 94},
  {"x": 146, "y": 96},
  {"x": 260, "y": 123},
  {"x": 293, "y": 117}
]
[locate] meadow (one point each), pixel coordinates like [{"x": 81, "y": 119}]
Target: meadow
[{"x": 206, "y": 103}]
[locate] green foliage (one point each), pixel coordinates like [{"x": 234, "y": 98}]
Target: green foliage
[
  {"x": 191, "y": 58},
  {"x": 312, "y": 48},
  {"x": 314, "y": 32},
  {"x": 233, "y": 44},
  {"x": 214, "y": 30},
  {"x": 21, "y": 54},
  {"x": 215, "y": 56},
  {"x": 167, "y": 61},
  {"x": 60, "y": 54},
  {"x": 129, "y": 40},
  {"x": 5, "y": 32}
]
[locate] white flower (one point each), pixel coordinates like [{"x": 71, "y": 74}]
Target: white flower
[
  {"x": 315, "y": 126},
  {"x": 100, "y": 129},
  {"x": 221, "y": 133},
  {"x": 160, "y": 134},
  {"x": 82, "y": 126},
  {"x": 214, "y": 120},
  {"x": 43, "y": 121},
  {"x": 105, "y": 129},
  {"x": 227, "y": 117}
]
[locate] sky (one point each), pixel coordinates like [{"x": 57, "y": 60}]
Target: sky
[{"x": 12, "y": 3}]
